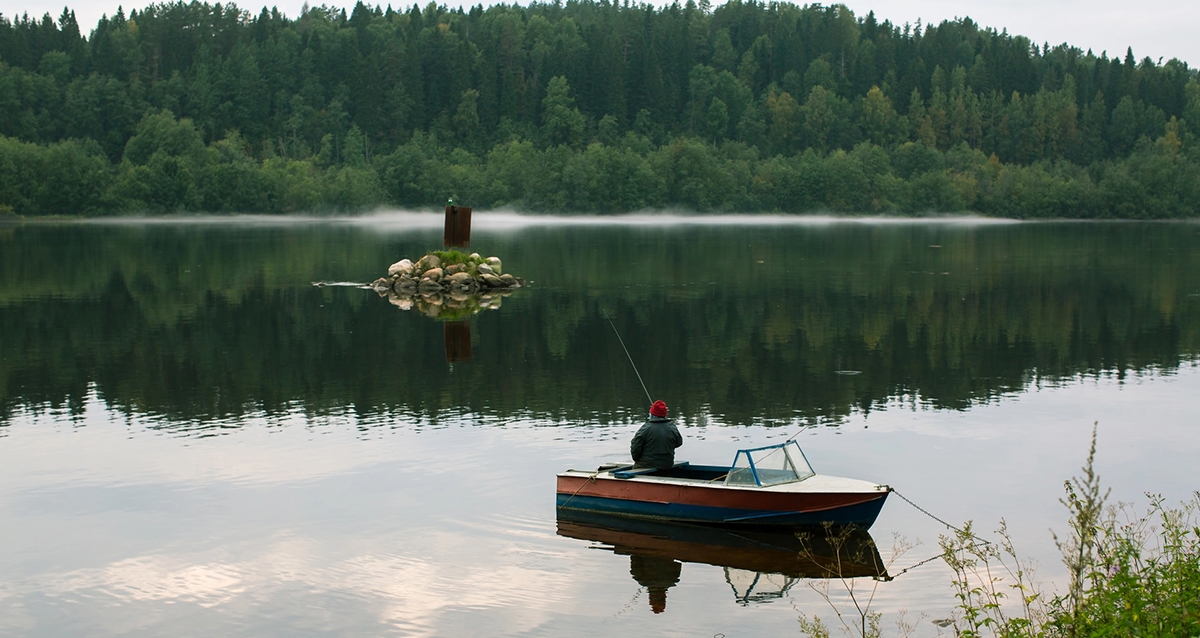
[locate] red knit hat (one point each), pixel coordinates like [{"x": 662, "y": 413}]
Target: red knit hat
[{"x": 658, "y": 409}]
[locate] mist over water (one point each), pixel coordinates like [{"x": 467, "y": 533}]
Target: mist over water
[
  {"x": 195, "y": 439},
  {"x": 500, "y": 220},
  {"x": 506, "y": 219}
]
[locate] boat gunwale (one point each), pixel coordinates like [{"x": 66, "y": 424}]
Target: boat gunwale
[{"x": 864, "y": 487}]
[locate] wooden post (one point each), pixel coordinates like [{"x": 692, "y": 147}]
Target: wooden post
[
  {"x": 458, "y": 227},
  {"x": 458, "y": 340}
]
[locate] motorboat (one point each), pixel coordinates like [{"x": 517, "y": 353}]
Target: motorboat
[{"x": 767, "y": 486}]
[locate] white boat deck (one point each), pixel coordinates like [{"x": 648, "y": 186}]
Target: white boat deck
[{"x": 817, "y": 483}]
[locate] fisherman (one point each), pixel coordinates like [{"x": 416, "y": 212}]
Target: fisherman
[{"x": 655, "y": 442}]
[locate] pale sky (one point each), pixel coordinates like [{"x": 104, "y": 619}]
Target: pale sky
[{"x": 1154, "y": 28}]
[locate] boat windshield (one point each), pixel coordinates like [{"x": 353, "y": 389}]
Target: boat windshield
[{"x": 769, "y": 465}]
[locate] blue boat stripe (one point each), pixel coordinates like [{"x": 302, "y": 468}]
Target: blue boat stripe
[
  {"x": 860, "y": 514},
  {"x": 753, "y": 516}
]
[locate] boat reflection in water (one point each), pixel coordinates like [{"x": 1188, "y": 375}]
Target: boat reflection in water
[{"x": 760, "y": 565}]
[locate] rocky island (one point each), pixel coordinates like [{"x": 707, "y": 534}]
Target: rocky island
[{"x": 447, "y": 285}]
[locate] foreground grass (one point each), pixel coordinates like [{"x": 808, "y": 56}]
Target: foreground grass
[{"x": 1131, "y": 574}]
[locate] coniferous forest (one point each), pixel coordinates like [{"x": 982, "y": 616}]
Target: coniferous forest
[{"x": 583, "y": 106}]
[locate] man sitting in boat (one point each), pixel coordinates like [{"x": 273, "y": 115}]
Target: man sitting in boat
[{"x": 655, "y": 442}]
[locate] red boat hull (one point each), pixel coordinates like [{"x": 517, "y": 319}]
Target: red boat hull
[{"x": 712, "y": 504}]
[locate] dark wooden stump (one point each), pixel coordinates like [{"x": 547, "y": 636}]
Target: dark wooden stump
[{"x": 458, "y": 227}]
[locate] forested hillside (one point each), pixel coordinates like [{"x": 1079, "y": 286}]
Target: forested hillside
[{"x": 583, "y": 106}]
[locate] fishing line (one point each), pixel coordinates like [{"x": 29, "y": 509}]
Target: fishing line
[
  {"x": 635, "y": 370},
  {"x": 789, "y": 439}
]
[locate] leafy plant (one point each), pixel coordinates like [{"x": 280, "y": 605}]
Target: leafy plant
[
  {"x": 987, "y": 576},
  {"x": 1130, "y": 575},
  {"x": 1086, "y": 505},
  {"x": 1145, "y": 577}
]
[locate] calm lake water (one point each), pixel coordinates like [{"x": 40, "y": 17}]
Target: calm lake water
[{"x": 196, "y": 441}]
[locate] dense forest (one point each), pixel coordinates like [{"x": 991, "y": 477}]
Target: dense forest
[{"x": 582, "y": 106}]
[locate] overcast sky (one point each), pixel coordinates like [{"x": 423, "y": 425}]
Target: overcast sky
[{"x": 1155, "y": 28}]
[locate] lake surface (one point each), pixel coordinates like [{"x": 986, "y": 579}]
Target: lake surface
[{"x": 195, "y": 440}]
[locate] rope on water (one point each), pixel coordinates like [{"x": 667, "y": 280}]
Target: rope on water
[
  {"x": 926, "y": 512},
  {"x": 927, "y": 560},
  {"x": 982, "y": 541}
]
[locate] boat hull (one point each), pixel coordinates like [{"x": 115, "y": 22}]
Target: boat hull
[{"x": 707, "y": 504}]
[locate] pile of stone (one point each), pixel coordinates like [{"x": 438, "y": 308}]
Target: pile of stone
[{"x": 449, "y": 286}]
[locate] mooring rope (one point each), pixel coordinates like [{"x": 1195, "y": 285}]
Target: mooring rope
[
  {"x": 590, "y": 479},
  {"x": 982, "y": 541},
  {"x": 927, "y": 513},
  {"x": 914, "y": 566}
]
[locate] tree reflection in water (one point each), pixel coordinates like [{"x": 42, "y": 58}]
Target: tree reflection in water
[{"x": 742, "y": 323}]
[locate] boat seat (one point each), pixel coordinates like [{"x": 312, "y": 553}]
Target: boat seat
[{"x": 641, "y": 471}]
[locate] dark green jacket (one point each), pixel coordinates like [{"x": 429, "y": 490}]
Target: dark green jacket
[{"x": 655, "y": 442}]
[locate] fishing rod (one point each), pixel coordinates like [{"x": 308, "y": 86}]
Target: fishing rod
[
  {"x": 635, "y": 370},
  {"x": 639, "y": 375}
]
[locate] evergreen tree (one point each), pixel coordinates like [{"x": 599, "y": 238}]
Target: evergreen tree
[{"x": 333, "y": 105}]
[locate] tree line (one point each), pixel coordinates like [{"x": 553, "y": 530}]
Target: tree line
[{"x": 582, "y": 106}]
